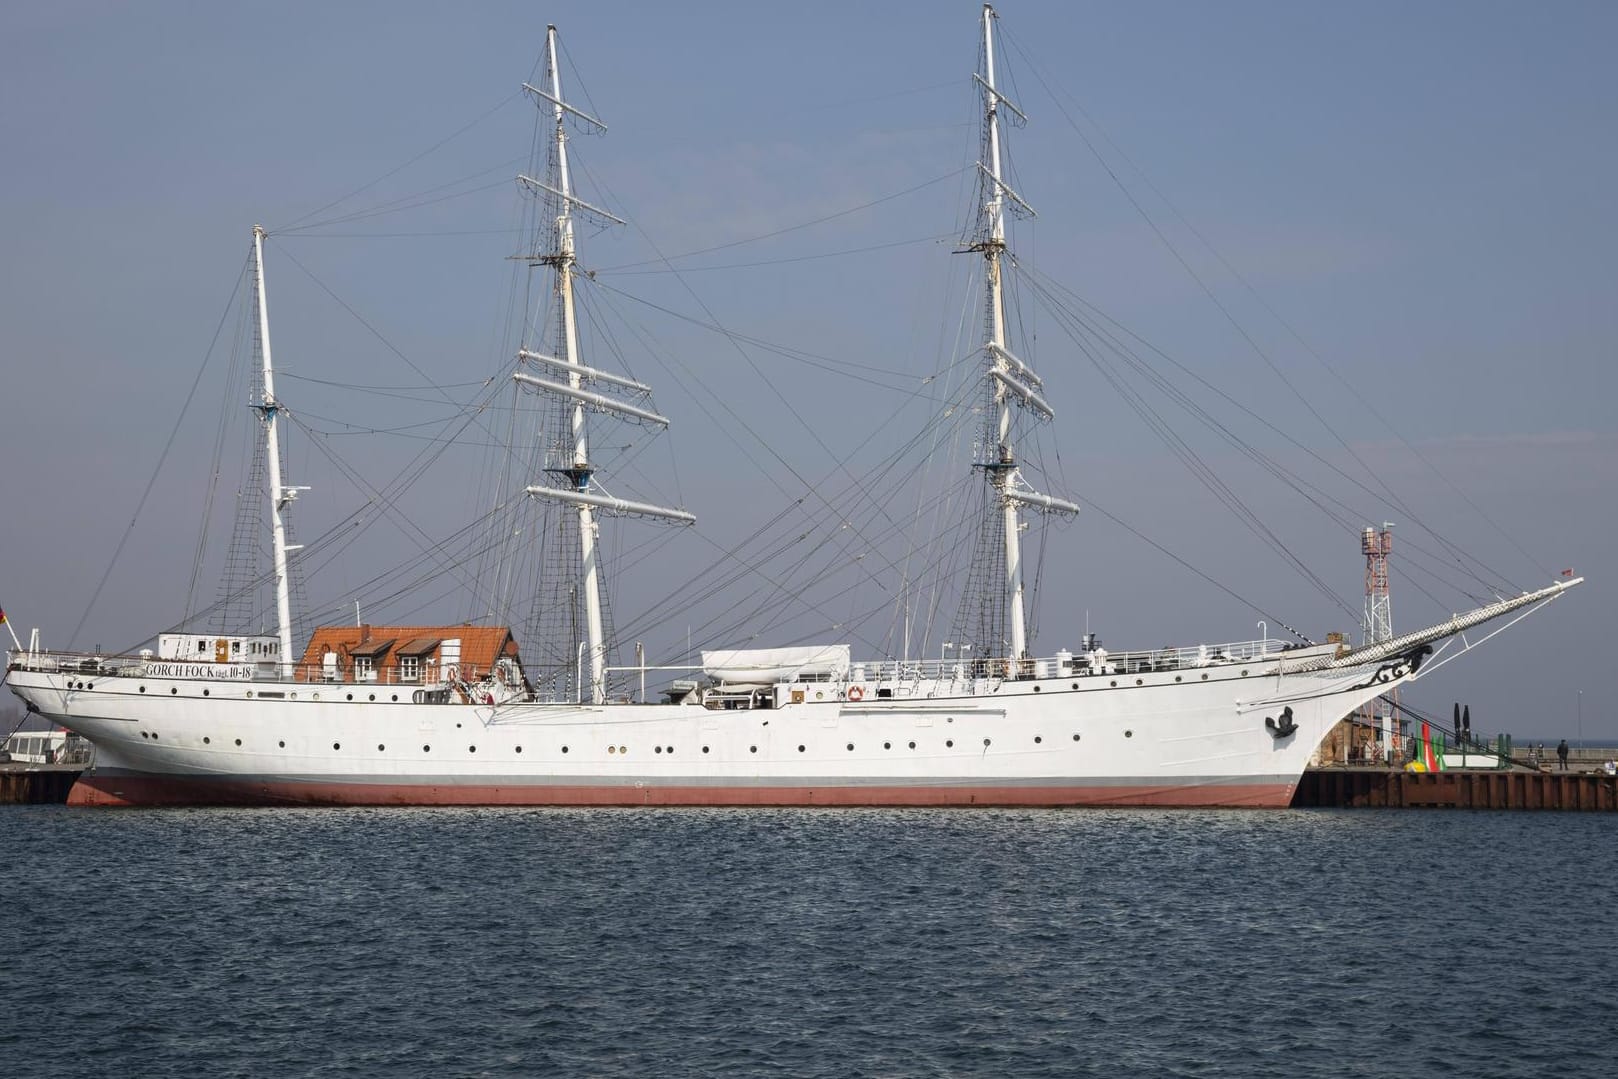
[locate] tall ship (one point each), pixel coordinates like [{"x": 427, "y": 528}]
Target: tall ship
[{"x": 457, "y": 714}]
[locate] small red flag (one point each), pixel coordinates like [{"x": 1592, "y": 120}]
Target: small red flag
[
  {"x": 1565, "y": 573},
  {"x": 2, "y": 614}
]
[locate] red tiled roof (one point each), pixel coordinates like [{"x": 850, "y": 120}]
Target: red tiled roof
[{"x": 480, "y": 645}]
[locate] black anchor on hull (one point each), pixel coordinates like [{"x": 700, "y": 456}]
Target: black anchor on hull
[{"x": 1282, "y": 728}]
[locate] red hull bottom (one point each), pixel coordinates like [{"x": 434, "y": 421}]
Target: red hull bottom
[{"x": 132, "y": 790}]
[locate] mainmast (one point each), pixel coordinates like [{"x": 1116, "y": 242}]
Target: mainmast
[
  {"x": 578, "y": 471},
  {"x": 280, "y": 496},
  {"x": 1011, "y": 381}
]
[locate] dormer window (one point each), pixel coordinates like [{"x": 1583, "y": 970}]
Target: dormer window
[
  {"x": 364, "y": 671},
  {"x": 409, "y": 668}
]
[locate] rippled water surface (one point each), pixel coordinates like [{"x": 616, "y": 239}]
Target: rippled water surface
[{"x": 807, "y": 942}]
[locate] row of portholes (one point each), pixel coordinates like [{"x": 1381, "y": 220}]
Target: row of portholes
[
  {"x": 174, "y": 691},
  {"x": 1141, "y": 681},
  {"x": 949, "y": 743}
]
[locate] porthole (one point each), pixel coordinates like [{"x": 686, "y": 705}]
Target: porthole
[
  {"x": 395, "y": 697},
  {"x": 249, "y": 694},
  {"x": 1137, "y": 681},
  {"x": 1075, "y": 685},
  {"x": 154, "y": 736},
  {"x": 92, "y": 685},
  {"x": 426, "y": 749},
  {"x": 1204, "y": 678},
  {"x": 657, "y": 749},
  {"x": 622, "y": 750},
  {"x": 1244, "y": 672},
  {"x": 1075, "y": 738},
  {"x": 1113, "y": 683},
  {"x": 294, "y": 696},
  {"x": 851, "y": 747},
  {"x": 912, "y": 745},
  {"x": 380, "y": 748},
  {"x": 519, "y": 749},
  {"x": 337, "y": 745},
  {"x": 173, "y": 690},
  {"x": 471, "y": 749},
  {"x": 985, "y": 741},
  {"x": 1036, "y": 689},
  {"x": 950, "y": 744},
  {"x": 206, "y": 740},
  {"x": 204, "y": 693},
  {"x": 704, "y": 749},
  {"x": 887, "y": 745},
  {"x": 800, "y": 749},
  {"x": 283, "y": 745},
  {"x": 564, "y": 749},
  {"x": 1129, "y": 734},
  {"x": 238, "y": 741},
  {"x": 670, "y": 749},
  {"x": 752, "y": 749},
  {"x": 1176, "y": 678},
  {"x": 143, "y": 689},
  {"x": 1038, "y": 739},
  {"x": 372, "y": 697},
  {"x": 351, "y": 696},
  {"x": 143, "y": 734},
  {"x": 612, "y": 749}
]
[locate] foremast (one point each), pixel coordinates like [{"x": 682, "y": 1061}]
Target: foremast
[
  {"x": 1011, "y": 383},
  {"x": 580, "y": 492},
  {"x": 281, "y": 496}
]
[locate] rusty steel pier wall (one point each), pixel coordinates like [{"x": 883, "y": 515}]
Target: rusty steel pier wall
[
  {"x": 36, "y": 784},
  {"x": 1377, "y": 788}
]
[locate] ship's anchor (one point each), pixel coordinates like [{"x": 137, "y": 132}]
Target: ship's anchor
[{"x": 1284, "y": 728}]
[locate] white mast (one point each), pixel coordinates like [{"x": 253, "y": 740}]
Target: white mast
[
  {"x": 1012, "y": 381},
  {"x": 280, "y": 497},
  {"x": 594, "y": 635},
  {"x": 581, "y": 497}
]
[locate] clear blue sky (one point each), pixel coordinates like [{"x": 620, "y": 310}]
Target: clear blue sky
[{"x": 1423, "y": 191}]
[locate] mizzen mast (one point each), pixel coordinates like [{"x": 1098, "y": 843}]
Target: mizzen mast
[
  {"x": 280, "y": 496},
  {"x": 577, "y": 472},
  {"x": 1011, "y": 382}
]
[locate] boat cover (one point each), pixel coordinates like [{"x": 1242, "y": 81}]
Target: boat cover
[{"x": 762, "y": 666}]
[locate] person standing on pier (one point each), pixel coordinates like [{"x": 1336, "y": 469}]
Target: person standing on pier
[{"x": 1561, "y": 753}]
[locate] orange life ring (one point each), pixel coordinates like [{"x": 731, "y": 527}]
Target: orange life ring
[{"x": 855, "y": 693}]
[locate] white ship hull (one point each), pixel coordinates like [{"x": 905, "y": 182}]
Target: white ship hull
[{"x": 1181, "y": 737}]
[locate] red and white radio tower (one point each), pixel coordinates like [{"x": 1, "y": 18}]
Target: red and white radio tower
[{"x": 1378, "y": 621}]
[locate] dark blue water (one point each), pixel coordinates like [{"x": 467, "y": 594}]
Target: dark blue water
[{"x": 808, "y": 943}]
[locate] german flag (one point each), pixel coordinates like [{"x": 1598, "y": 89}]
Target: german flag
[{"x": 2, "y": 616}]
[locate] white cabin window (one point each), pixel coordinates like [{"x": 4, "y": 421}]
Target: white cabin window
[
  {"x": 409, "y": 668},
  {"x": 202, "y": 646}
]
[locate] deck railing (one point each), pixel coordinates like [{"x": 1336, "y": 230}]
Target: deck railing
[
  {"x": 959, "y": 669},
  {"x": 127, "y": 666}
]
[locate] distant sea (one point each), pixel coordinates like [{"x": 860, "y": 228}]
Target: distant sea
[{"x": 519, "y": 942}]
